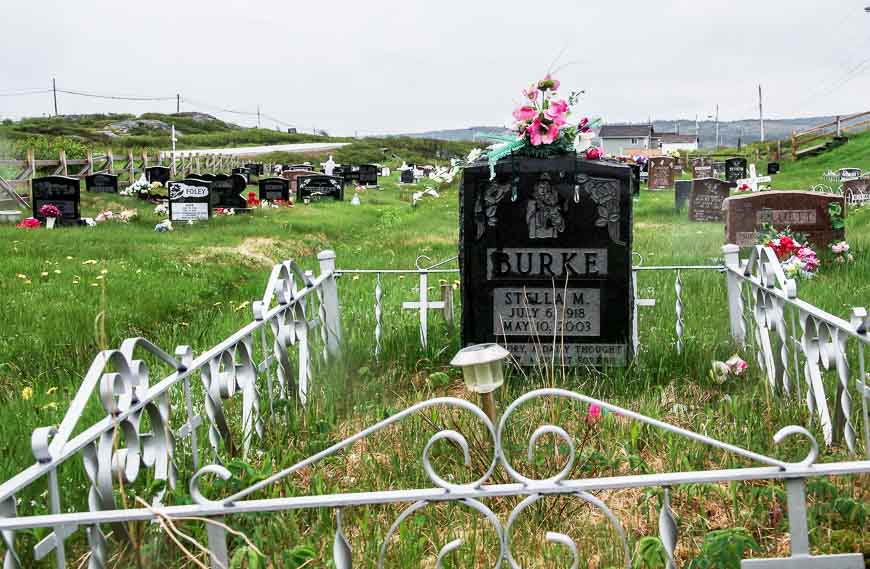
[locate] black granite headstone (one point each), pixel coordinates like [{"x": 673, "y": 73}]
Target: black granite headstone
[
  {"x": 274, "y": 189},
  {"x": 316, "y": 186},
  {"x": 157, "y": 174},
  {"x": 706, "y": 198},
  {"x": 308, "y": 167},
  {"x": 772, "y": 168},
  {"x": 735, "y": 169},
  {"x": 255, "y": 169},
  {"x": 189, "y": 200},
  {"x": 681, "y": 194},
  {"x": 545, "y": 258},
  {"x": 62, "y": 191},
  {"x": 244, "y": 172},
  {"x": 102, "y": 183},
  {"x": 350, "y": 174},
  {"x": 407, "y": 176},
  {"x": 368, "y": 174},
  {"x": 635, "y": 179},
  {"x": 226, "y": 192}
]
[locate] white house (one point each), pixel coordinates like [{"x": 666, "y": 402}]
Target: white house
[
  {"x": 618, "y": 139},
  {"x": 680, "y": 142}
]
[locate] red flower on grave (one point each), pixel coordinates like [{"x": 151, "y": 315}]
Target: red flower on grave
[{"x": 29, "y": 223}]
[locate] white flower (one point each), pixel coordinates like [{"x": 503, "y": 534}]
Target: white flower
[{"x": 474, "y": 155}]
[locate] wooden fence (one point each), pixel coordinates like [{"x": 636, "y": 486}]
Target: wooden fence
[
  {"x": 819, "y": 138},
  {"x": 126, "y": 166}
]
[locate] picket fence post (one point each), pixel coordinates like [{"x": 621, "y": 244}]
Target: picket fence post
[
  {"x": 731, "y": 253},
  {"x": 332, "y": 320}
]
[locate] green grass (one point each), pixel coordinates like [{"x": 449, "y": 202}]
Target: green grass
[{"x": 70, "y": 292}]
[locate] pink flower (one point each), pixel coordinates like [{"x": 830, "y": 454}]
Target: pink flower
[
  {"x": 548, "y": 83},
  {"x": 29, "y": 223},
  {"x": 840, "y": 247},
  {"x": 539, "y": 133},
  {"x": 736, "y": 365},
  {"x": 593, "y": 153},
  {"x": 583, "y": 126},
  {"x": 531, "y": 93},
  {"x": 556, "y": 112},
  {"x": 594, "y": 413},
  {"x": 525, "y": 113}
]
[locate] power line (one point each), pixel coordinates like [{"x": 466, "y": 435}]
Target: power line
[
  {"x": 25, "y": 92},
  {"x": 114, "y": 97}
]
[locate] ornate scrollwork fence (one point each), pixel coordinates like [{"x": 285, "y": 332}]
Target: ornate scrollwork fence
[
  {"x": 795, "y": 343},
  {"x": 275, "y": 351},
  {"x": 216, "y": 513}
]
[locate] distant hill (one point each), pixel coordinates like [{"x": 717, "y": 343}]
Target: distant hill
[{"x": 746, "y": 131}]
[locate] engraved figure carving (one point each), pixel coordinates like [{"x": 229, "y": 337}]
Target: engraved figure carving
[
  {"x": 543, "y": 213},
  {"x": 605, "y": 194},
  {"x": 486, "y": 206}
]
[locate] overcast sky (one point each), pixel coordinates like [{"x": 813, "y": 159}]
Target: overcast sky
[{"x": 386, "y": 66}]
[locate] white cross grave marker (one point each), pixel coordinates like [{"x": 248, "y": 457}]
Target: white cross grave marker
[
  {"x": 424, "y": 305},
  {"x": 754, "y": 180}
]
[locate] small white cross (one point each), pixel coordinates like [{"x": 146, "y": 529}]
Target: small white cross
[
  {"x": 754, "y": 180},
  {"x": 424, "y": 305}
]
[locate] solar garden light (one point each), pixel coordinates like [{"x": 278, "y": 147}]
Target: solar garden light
[{"x": 483, "y": 372}]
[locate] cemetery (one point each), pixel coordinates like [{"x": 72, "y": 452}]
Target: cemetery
[{"x": 536, "y": 352}]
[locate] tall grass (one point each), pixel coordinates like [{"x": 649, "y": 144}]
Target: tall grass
[{"x": 193, "y": 286}]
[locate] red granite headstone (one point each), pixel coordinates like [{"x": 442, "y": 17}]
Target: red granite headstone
[
  {"x": 661, "y": 172},
  {"x": 803, "y": 212}
]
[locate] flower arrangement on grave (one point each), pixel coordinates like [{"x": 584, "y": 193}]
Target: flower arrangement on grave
[
  {"x": 219, "y": 211},
  {"x": 253, "y": 200},
  {"x": 138, "y": 187},
  {"x": 733, "y": 366},
  {"x": 841, "y": 253},
  {"x": 744, "y": 187},
  {"x": 164, "y": 226},
  {"x": 798, "y": 259},
  {"x": 49, "y": 210},
  {"x": 283, "y": 203},
  {"x": 123, "y": 217},
  {"x": 161, "y": 209},
  {"x": 543, "y": 127},
  {"x": 29, "y": 223}
]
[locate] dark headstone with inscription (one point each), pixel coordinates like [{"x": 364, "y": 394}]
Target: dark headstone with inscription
[
  {"x": 368, "y": 174},
  {"x": 702, "y": 167},
  {"x": 62, "y": 191},
  {"x": 255, "y": 169},
  {"x": 683, "y": 189},
  {"x": 307, "y": 167},
  {"x": 545, "y": 257},
  {"x": 772, "y": 168},
  {"x": 274, "y": 189},
  {"x": 208, "y": 177},
  {"x": 350, "y": 174},
  {"x": 292, "y": 176},
  {"x": 189, "y": 200},
  {"x": 102, "y": 183},
  {"x": 661, "y": 173},
  {"x": 719, "y": 170},
  {"x": 157, "y": 174},
  {"x": 706, "y": 198},
  {"x": 226, "y": 192},
  {"x": 802, "y": 212},
  {"x": 735, "y": 169},
  {"x": 407, "y": 176},
  {"x": 857, "y": 192},
  {"x": 316, "y": 187}
]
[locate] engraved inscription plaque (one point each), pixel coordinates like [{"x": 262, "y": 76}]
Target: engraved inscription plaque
[{"x": 547, "y": 311}]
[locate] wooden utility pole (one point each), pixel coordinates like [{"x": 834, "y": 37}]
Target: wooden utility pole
[
  {"x": 178, "y": 102},
  {"x": 54, "y": 90},
  {"x": 258, "y": 116}
]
